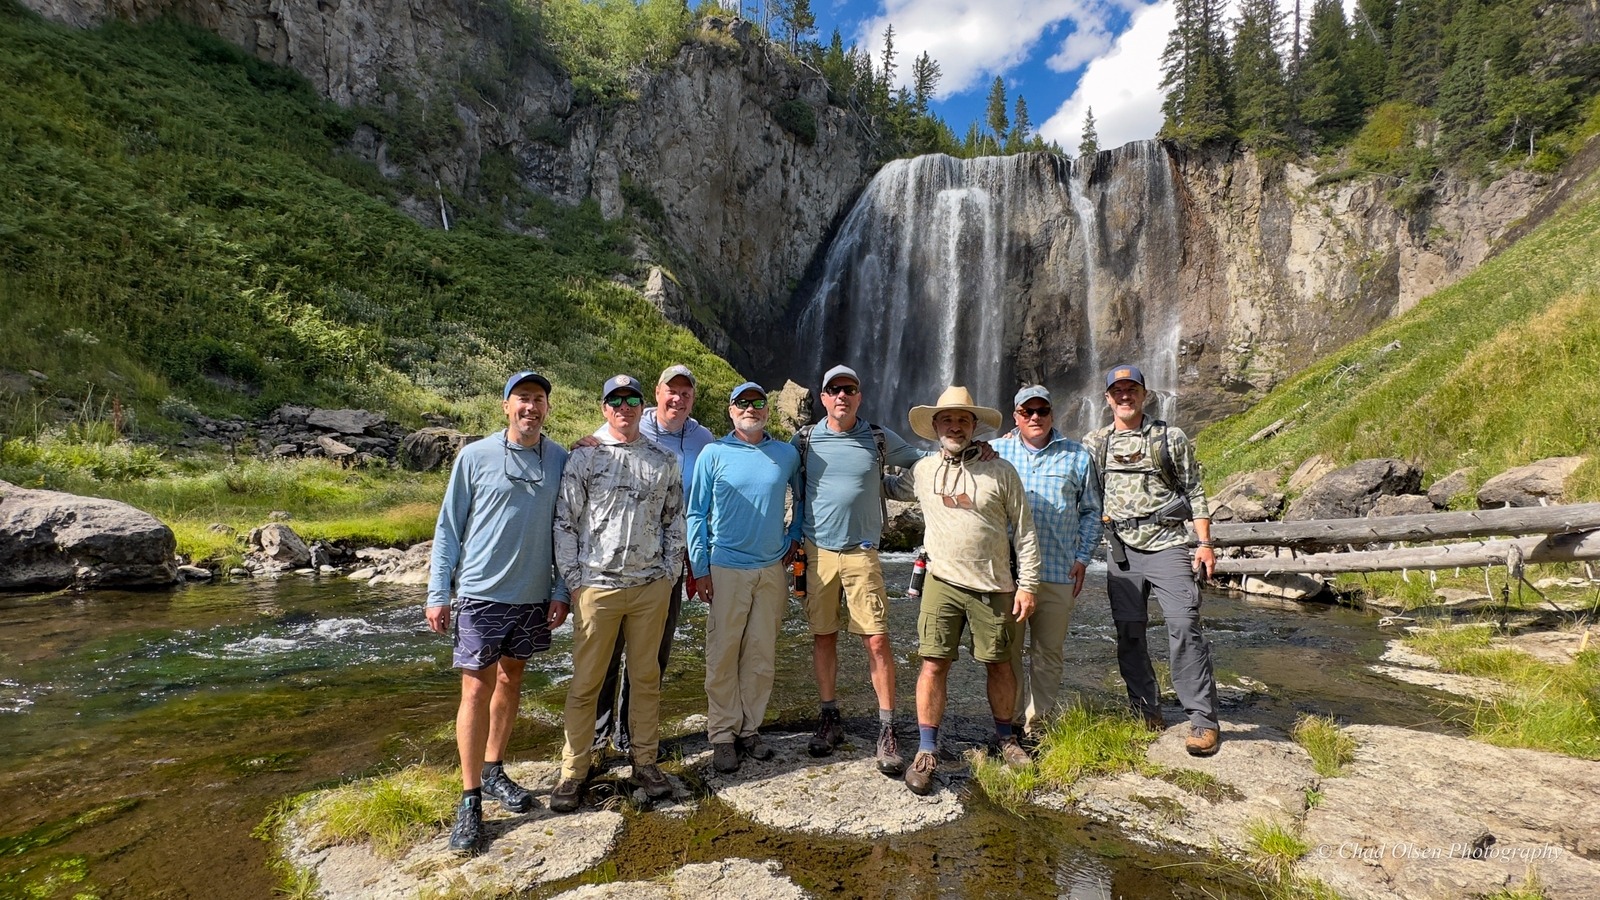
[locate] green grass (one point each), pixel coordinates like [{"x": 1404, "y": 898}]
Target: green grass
[
  {"x": 391, "y": 812},
  {"x": 1331, "y": 749},
  {"x": 1008, "y": 788},
  {"x": 1545, "y": 706},
  {"x": 1530, "y": 889},
  {"x": 1494, "y": 371},
  {"x": 1085, "y": 742},
  {"x": 1275, "y": 848},
  {"x": 182, "y": 226}
]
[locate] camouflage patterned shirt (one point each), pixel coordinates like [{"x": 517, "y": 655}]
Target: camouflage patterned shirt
[
  {"x": 1134, "y": 487},
  {"x": 619, "y": 517}
]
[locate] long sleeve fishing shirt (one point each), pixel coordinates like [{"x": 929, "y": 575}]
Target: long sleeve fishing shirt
[
  {"x": 1064, "y": 494},
  {"x": 619, "y": 518},
  {"x": 975, "y": 514},
  {"x": 735, "y": 518}
]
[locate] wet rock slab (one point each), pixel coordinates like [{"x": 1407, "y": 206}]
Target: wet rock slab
[
  {"x": 741, "y": 878},
  {"x": 522, "y": 851},
  {"x": 843, "y": 794}
]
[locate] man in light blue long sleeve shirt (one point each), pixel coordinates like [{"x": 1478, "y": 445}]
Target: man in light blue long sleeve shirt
[
  {"x": 494, "y": 544},
  {"x": 737, "y": 551}
]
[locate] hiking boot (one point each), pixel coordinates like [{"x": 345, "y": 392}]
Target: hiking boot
[
  {"x": 468, "y": 833},
  {"x": 889, "y": 761},
  {"x": 1012, "y": 754},
  {"x": 829, "y": 734},
  {"x": 567, "y": 796},
  {"x": 513, "y": 797},
  {"x": 1202, "y": 741},
  {"x": 754, "y": 747},
  {"x": 1153, "y": 720},
  {"x": 919, "y": 778},
  {"x": 655, "y": 784},
  {"x": 724, "y": 757}
]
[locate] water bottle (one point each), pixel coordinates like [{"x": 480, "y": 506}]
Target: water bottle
[
  {"x": 798, "y": 570},
  {"x": 919, "y": 573}
]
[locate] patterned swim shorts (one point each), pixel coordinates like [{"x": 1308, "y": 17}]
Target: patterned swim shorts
[{"x": 486, "y": 630}]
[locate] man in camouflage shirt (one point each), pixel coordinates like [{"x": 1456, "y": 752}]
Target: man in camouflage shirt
[
  {"x": 1151, "y": 488},
  {"x": 619, "y": 536}
]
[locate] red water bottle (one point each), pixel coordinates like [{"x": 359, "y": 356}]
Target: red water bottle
[{"x": 919, "y": 573}]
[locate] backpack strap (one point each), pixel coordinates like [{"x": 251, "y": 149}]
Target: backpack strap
[
  {"x": 878, "y": 439},
  {"x": 1165, "y": 466}
]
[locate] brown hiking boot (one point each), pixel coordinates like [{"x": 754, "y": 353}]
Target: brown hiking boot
[
  {"x": 567, "y": 796},
  {"x": 919, "y": 778},
  {"x": 655, "y": 784},
  {"x": 1153, "y": 720},
  {"x": 754, "y": 747},
  {"x": 724, "y": 757},
  {"x": 829, "y": 734},
  {"x": 1012, "y": 754},
  {"x": 1202, "y": 741},
  {"x": 889, "y": 760}
]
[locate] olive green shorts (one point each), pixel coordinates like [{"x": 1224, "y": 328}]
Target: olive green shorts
[{"x": 947, "y": 609}]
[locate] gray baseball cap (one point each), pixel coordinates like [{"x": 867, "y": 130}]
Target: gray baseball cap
[
  {"x": 621, "y": 383},
  {"x": 841, "y": 372},
  {"x": 1031, "y": 392}
]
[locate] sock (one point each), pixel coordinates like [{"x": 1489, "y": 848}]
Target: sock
[
  {"x": 1002, "y": 730},
  {"x": 929, "y": 742},
  {"x": 886, "y": 717},
  {"x": 491, "y": 768},
  {"x": 473, "y": 793},
  {"x": 830, "y": 706}
]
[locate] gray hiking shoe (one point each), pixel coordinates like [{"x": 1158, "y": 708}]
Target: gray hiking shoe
[
  {"x": 829, "y": 734},
  {"x": 567, "y": 796},
  {"x": 754, "y": 747},
  {"x": 888, "y": 757},
  {"x": 724, "y": 757}
]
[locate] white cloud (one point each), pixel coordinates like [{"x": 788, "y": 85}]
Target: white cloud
[
  {"x": 1123, "y": 86},
  {"x": 1086, "y": 42},
  {"x": 973, "y": 40}
]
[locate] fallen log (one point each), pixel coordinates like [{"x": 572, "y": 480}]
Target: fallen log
[
  {"x": 1425, "y": 527},
  {"x": 1468, "y": 554}
]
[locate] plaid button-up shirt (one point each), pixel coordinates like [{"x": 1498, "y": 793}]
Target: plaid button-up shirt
[{"x": 1064, "y": 492}]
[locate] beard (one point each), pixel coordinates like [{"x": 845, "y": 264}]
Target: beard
[{"x": 954, "y": 446}]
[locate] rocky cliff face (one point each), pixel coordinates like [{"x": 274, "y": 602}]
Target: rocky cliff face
[
  {"x": 743, "y": 201},
  {"x": 1220, "y": 274}
]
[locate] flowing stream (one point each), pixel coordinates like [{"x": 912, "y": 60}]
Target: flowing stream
[{"x": 147, "y": 734}]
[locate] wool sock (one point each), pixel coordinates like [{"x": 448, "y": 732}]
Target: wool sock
[
  {"x": 1002, "y": 729},
  {"x": 886, "y": 717},
  {"x": 830, "y": 706},
  {"x": 929, "y": 742}
]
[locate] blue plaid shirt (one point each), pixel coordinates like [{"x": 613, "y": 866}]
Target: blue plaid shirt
[{"x": 1064, "y": 492}]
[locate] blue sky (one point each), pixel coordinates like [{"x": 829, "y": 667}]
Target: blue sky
[{"x": 1062, "y": 55}]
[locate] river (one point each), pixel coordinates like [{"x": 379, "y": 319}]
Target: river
[{"x": 144, "y": 735}]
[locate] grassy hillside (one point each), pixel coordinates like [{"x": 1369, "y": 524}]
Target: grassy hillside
[
  {"x": 1499, "y": 369},
  {"x": 181, "y": 228}
]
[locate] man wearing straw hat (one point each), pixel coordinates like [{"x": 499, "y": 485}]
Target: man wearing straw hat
[{"x": 976, "y": 516}]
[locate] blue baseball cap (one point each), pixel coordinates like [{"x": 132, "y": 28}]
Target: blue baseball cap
[
  {"x": 1125, "y": 373},
  {"x": 621, "y": 383},
  {"x": 525, "y": 375},
  {"x": 747, "y": 386}
]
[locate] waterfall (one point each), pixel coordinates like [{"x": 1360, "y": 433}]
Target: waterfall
[{"x": 1000, "y": 271}]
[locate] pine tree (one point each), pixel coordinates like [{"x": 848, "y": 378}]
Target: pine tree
[
  {"x": 1372, "y": 33},
  {"x": 1416, "y": 52},
  {"x": 797, "y": 20},
  {"x": 1021, "y": 128},
  {"x": 1260, "y": 89},
  {"x": 998, "y": 121},
  {"x": 924, "y": 81},
  {"x": 1462, "y": 106},
  {"x": 1090, "y": 144},
  {"x": 1195, "y": 75},
  {"x": 1329, "y": 103}
]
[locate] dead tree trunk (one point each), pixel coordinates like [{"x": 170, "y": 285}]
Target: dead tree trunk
[
  {"x": 1554, "y": 548},
  {"x": 1427, "y": 527}
]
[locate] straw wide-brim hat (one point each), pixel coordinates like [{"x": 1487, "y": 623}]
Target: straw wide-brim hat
[{"x": 954, "y": 397}]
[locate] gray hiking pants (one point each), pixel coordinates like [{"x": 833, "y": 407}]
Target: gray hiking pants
[{"x": 1167, "y": 575}]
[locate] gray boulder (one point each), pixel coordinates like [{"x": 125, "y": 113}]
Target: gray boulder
[
  {"x": 1351, "y": 492},
  {"x": 1400, "y": 505},
  {"x": 903, "y": 528},
  {"x": 1313, "y": 468},
  {"x": 1248, "y": 497},
  {"x": 51, "y": 540},
  {"x": 1448, "y": 488},
  {"x": 432, "y": 448},
  {"x": 1528, "y": 485},
  {"x": 334, "y": 449},
  {"x": 791, "y": 407},
  {"x": 344, "y": 421},
  {"x": 277, "y": 546}
]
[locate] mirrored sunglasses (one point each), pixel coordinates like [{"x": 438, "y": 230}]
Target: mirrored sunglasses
[
  {"x": 756, "y": 403},
  {"x": 631, "y": 400}
]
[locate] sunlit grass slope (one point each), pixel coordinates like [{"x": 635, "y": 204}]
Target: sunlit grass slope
[
  {"x": 1500, "y": 369},
  {"x": 181, "y": 226}
]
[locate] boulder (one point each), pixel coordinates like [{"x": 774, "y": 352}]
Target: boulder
[
  {"x": 791, "y": 407},
  {"x": 412, "y": 567},
  {"x": 1309, "y": 471},
  {"x": 276, "y": 544},
  {"x": 344, "y": 421},
  {"x": 1350, "y": 492},
  {"x": 1400, "y": 505},
  {"x": 1448, "y": 488},
  {"x": 1285, "y": 586},
  {"x": 50, "y": 540},
  {"x": 1248, "y": 497},
  {"x": 335, "y": 450},
  {"x": 1531, "y": 485},
  {"x": 902, "y": 530},
  {"x": 432, "y": 448}
]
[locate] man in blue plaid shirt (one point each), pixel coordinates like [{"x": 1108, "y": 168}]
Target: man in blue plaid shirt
[{"x": 1064, "y": 492}]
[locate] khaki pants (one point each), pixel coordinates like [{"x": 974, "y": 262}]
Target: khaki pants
[
  {"x": 598, "y": 616},
  {"x": 741, "y": 648},
  {"x": 1047, "y": 635}
]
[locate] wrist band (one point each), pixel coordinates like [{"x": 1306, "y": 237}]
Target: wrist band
[{"x": 1206, "y": 544}]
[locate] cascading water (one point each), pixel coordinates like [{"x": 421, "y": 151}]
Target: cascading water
[{"x": 1000, "y": 271}]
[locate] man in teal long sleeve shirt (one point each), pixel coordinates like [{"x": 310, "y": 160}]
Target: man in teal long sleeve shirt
[
  {"x": 737, "y": 550},
  {"x": 494, "y": 544}
]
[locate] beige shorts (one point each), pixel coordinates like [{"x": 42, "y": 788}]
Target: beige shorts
[{"x": 858, "y": 576}]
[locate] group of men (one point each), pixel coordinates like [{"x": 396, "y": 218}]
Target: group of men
[{"x": 652, "y": 508}]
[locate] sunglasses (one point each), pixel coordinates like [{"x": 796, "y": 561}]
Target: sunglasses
[
  {"x": 1128, "y": 458},
  {"x": 1033, "y": 412},
  {"x": 849, "y": 390},
  {"x": 538, "y": 477},
  {"x": 631, "y": 400},
  {"x": 757, "y": 403}
]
